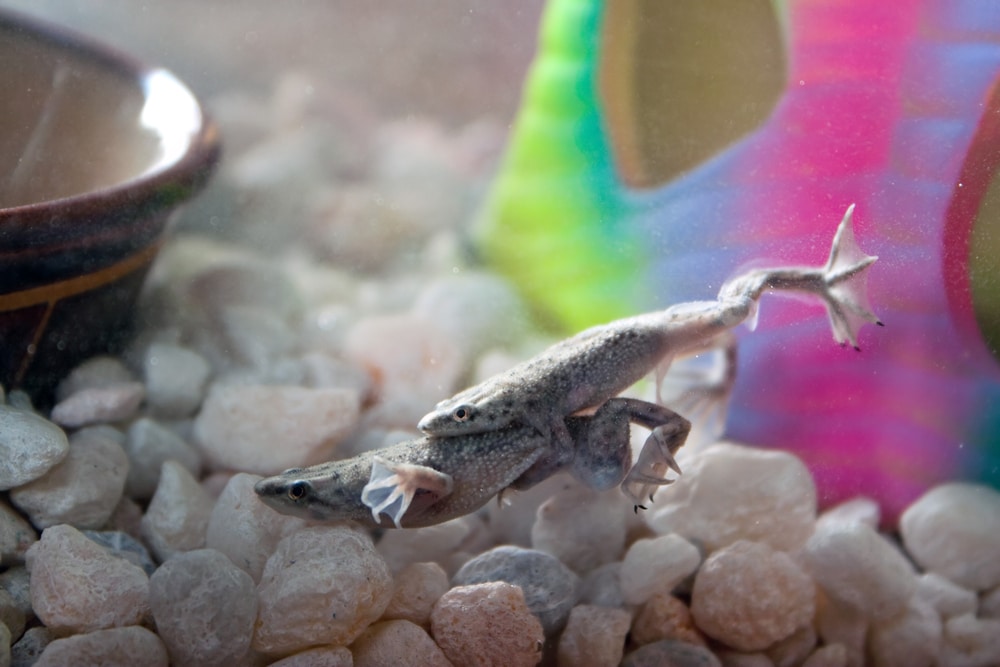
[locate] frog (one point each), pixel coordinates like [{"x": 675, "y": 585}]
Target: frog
[
  {"x": 580, "y": 374},
  {"x": 427, "y": 480}
]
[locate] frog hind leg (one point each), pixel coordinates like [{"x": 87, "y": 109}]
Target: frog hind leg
[
  {"x": 393, "y": 486},
  {"x": 668, "y": 433}
]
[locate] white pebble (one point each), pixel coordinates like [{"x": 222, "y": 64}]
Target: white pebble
[
  {"x": 841, "y": 625},
  {"x": 602, "y": 586},
  {"x": 204, "y": 608},
  {"x": 324, "y": 656},
  {"x": 580, "y": 527},
  {"x": 115, "y": 647},
  {"x": 794, "y": 649},
  {"x": 971, "y": 642},
  {"x": 947, "y": 598},
  {"x": 657, "y": 565},
  {"x": 266, "y": 429},
  {"x": 410, "y": 358},
  {"x": 83, "y": 489},
  {"x": 594, "y": 637},
  {"x": 16, "y": 534},
  {"x": 94, "y": 405},
  {"x": 489, "y": 625},
  {"x": 29, "y": 446},
  {"x": 856, "y": 510},
  {"x": 732, "y": 492},
  {"x": 397, "y": 643},
  {"x": 148, "y": 446},
  {"x": 912, "y": 639},
  {"x": 245, "y": 529},
  {"x": 177, "y": 517},
  {"x": 416, "y": 588},
  {"x": 175, "y": 379},
  {"x": 322, "y": 585},
  {"x": 749, "y": 596},
  {"x": 954, "y": 530},
  {"x": 400, "y": 548},
  {"x": 96, "y": 372},
  {"x": 550, "y": 588},
  {"x": 830, "y": 655},
  {"x": 857, "y": 567},
  {"x": 77, "y": 586}
]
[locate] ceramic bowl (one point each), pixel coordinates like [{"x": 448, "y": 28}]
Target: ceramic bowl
[{"x": 96, "y": 153}]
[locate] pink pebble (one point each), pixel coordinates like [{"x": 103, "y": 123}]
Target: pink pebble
[
  {"x": 487, "y": 624},
  {"x": 116, "y": 647},
  {"x": 77, "y": 586}
]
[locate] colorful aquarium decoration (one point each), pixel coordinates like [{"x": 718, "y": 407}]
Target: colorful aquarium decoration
[{"x": 661, "y": 147}]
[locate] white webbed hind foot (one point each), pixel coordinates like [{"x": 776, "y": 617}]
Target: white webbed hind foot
[
  {"x": 392, "y": 487},
  {"x": 846, "y": 279}
]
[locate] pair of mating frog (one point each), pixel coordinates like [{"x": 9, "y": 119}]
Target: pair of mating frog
[{"x": 560, "y": 411}]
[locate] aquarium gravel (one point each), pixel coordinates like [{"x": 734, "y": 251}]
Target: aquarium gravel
[{"x": 314, "y": 305}]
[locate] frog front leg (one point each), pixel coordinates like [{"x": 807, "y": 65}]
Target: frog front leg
[{"x": 393, "y": 486}]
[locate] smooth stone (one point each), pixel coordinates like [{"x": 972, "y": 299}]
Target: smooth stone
[
  {"x": 29, "y": 447},
  {"x": 324, "y": 656},
  {"x": 397, "y": 643},
  {"x": 947, "y": 598},
  {"x": 550, "y": 588},
  {"x": 401, "y": 548},
  {"x": 77, "y": 586},
  {"x": 245, "y": 529},
  {"x": 12, "y": 616},
  {"x": 16, "y": 534},
  {"x": 149, "y": 445},
  {"x": 594, "y": 637},
  {"x": 487, "y": 624},
  {"x": 670, "y": 653},
  {"x": 954, "y": 530},
  {"x": 16, "y": 582},
  {"x": 912, "y": 639},
  {"x": 830, "y": 655},
  {"x": 94, "y": 373},
  {"x": 177, "y": 517},
  {"x": 665, "y": 616},
  {"x": 83, "y": 489},
  {"x": 732, "y": 492},
  {"x": 175, "y": 379},
  {"x": 30, "y": 646},
  {"x": 95, "y": 405},
  {"x": 115, "y": 647},
  {"x": 410, "y": 357},
  {"x": 749, "y": 596},
  {"x": 238, "y": 426},
  {"x": 971, "y": 642},
  {"x": 602, "y": 586},
  {"x": 581, "y": 528},
  {"x": 204, "y": 607},
  {"x": 856, "y": 510},
  {"x": 123, "y": 545},
  {"x": 858, "y": 568},
  {"x": 322, "y": 585},
  {"x": 416, "y": 588},
  {"x": 657, "y": 565}
]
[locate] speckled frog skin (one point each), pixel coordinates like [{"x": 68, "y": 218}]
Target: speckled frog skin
[
  {"x": 522, "y": 426},
  {"x": 429, "y": 480},
  {"x": 583, "y": 372}
]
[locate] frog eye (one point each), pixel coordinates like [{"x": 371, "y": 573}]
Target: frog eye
[
  {"x": 297, "y": 490},
  {"x": 462, "y": 413}
]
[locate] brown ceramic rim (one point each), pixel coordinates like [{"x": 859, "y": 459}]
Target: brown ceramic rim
[{"x": 156, "y": 189}]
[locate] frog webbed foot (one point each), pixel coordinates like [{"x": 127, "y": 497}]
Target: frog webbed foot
[
  {"x": 393, "y": 486},
  {"x": 846, "y": 279},
  {"x": 669, "y": 433}
]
